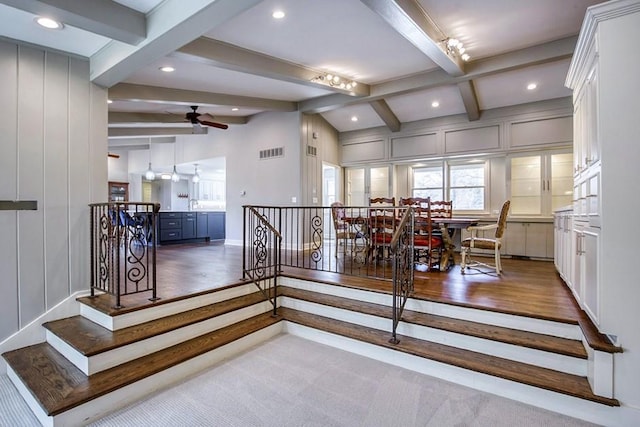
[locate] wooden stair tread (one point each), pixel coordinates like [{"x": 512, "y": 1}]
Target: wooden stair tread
[
  {"x": 544, "y": 378},
  {"x": 59, "y": 386},
  {"x": 90, "y": 339},
  {"x": 564, "y": 346},
  {"x": 384, "y": 287},
  {"x": 105, "y": 303}
]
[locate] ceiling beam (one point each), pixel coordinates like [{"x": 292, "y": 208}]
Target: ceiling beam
[
  {"x": 133, "y": 92},
  {"x": 410, "y": 20},
  {"x": 224, "y": 55},
  {"x": 150, "y": 132},
  {"x": 535, "y": 55},
  {"x": 470, "y": 100},
  {"x": 173, "y": 24},
  {"x": 123, "y": 142},
  {"x": 104, "y": 17},
  {"x": 382, "y": 109},
  {"x": 124, "y": 118}
]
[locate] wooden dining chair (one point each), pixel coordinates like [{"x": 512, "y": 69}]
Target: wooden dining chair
[
  {"x": 345, "y": 233},
  {"x": 382, "y": 225},
  {"x": 426, "y": 244},
  {"x": 494, "y": 244}
]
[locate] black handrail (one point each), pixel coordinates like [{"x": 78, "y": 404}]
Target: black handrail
[
  {"x": 123, "y": 241},
  {"x": 261, "y": 254},
  {"x": 402, "y": 250}
]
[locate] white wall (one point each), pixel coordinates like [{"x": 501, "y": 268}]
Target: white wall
[
  {"x": 53, "y": 149},
  {"x": 268, "y": 182}
]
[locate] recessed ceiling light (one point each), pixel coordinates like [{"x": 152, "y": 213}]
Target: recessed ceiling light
[
  {"x": 354, "y": 119},
  {"x": 167, "y": 69},
  {"x": 109, "y": 101},
  {"x": 435, "y": 104},
  {"x": 278, "y": 14},
  {"x": 532, "y": 86},
  {"x": 49, "y": 23},
  {"x": 235, "y": 109}
]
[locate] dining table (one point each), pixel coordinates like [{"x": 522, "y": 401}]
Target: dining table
[{"x": 448, "y": 228}]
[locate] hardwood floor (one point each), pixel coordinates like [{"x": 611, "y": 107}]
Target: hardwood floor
[
  {"x": 526, "y": 288},
  {"x": 531, "y": 288}
]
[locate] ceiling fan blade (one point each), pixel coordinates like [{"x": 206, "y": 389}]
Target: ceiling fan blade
[{"x": 214, "y": 124}]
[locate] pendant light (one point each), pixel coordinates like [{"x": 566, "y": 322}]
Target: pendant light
[
  {"x": 196, "y": 175},
  {"x": 150, "y": 174},
  {"x": 174, "y": 176}
]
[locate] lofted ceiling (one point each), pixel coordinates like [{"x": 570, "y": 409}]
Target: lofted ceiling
[{"x": 234, "y": 60}]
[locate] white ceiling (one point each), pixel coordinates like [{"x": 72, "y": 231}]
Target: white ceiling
[{"x": 511, "y": 43}]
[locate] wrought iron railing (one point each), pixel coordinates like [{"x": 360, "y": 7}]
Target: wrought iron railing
[
  {"x": 261, "y": 254},
  {"x": 345, "y": 239},
  {"x": 402, "y": 248},
  {"x": 339, "y": 240},
  {"x": 123, "y": 248}
]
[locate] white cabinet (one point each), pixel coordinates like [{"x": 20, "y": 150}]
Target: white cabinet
[
  {"x": 586, "y": 279},
  {"x": 586, "y": 117},
  {"x": 540, "y": 183},
  {"x": 364, "y": 183},
  {"x": 563, "y": 245},
  {"x": 529, "y": 239}
]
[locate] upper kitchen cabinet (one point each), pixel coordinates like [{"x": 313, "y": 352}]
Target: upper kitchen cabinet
[
  {"x": 540, "y": 183},
  {"x": 118, "y": 191}
]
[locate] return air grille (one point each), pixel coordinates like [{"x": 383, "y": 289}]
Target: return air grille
[
  {"x": 270, "y": 153},
  {"x": 312, "y": 151}
]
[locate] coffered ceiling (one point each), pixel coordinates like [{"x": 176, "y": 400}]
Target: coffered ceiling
[{"x": 234, "y": 60}]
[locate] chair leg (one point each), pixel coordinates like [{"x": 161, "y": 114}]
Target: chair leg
[
  {"x": 463, "y": 262},
  {"x": 498, "y": 265}
]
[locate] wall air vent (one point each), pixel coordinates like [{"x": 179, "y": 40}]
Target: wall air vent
[
  {"x": 312, "y": 151},
  {"x": 270, "y": 153}
]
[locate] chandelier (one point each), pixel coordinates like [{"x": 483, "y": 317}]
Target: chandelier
[
  {"x": 454, "y": 47},
  {"x": 333, "y": 80}
]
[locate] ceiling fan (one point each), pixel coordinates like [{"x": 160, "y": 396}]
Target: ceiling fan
[{"x": 195, "y": 118}]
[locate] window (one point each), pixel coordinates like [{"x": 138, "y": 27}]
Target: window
[
  {"x": 462, "y": 183},
  {"x": 467, "y": 186},
  {"x": 428, "y": 182}
]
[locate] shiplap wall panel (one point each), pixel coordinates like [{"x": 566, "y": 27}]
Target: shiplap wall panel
[
  {"x": 56, "y": 181},
  {"x": 53, "y": 134},
  {"x": 558, "y": 130},
  {"x": 98, "y": 133},
  {"x": 79, "y": 174},
  {"x": 31, "y": 182},
  {"x": 8, "y": 190}
]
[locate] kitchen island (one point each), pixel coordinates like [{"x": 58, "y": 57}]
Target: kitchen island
[{"x": 190, "y": 226}]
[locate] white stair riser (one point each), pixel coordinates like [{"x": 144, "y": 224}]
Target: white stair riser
[
  {"x": 539, "y": 326},
  {"x": 339, "y": 291},
  {"x": 530, "y": 356},
  {"x": 546, "y": 327},
  {"x": 114, "y": 323},
  {"x": 110, "y": 402},
  {"x": 109, "y": 359},
  {"x": 556, "y": 402}
]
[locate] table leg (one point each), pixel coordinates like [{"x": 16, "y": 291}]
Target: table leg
[{"x": 448, "y": 248}]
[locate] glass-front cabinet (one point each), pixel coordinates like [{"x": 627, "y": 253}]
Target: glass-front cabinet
[
  {"x": 364, "y": 183},
  {"x": 118, "y": 191},
  {"x": 540, "y": 183}
]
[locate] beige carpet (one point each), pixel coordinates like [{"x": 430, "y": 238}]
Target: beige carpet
[{"x": 289, "y": 381}]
